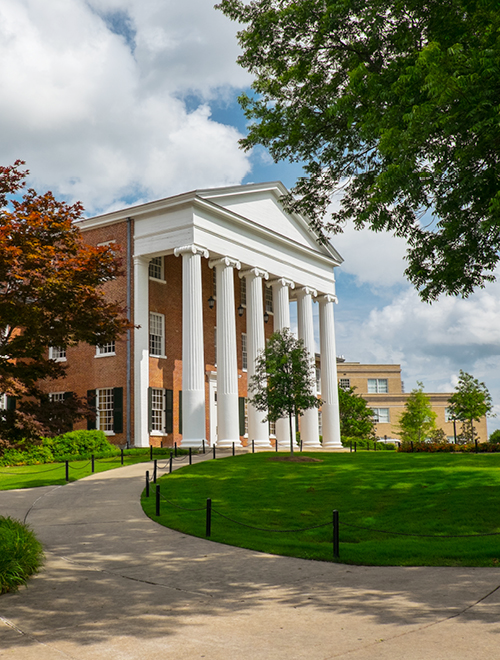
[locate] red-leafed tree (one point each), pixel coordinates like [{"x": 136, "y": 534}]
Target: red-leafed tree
[{"x": 51, "y": 294}]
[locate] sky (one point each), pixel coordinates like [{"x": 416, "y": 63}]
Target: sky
[{"x": 118, "y": 102}]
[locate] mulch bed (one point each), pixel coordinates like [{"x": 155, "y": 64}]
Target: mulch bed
[{"x": 295, "y": 459}]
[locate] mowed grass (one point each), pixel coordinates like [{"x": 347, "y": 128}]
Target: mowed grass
[
  {"x": 49, "y": 474},
  {"x": 419, "y": 495}
]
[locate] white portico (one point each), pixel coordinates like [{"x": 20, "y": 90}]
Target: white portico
[{"x": 241, "y": 233}]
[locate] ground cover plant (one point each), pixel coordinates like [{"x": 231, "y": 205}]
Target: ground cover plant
[
  {"x": 417, "y": 496},
  {"x": 21, "y": 554}
]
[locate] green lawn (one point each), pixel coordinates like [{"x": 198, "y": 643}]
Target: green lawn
[
  {"x": 414, "y": 494},
  {"x": 48, "y": 474}
]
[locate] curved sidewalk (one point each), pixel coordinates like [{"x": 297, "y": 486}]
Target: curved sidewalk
[{"x": 118, "y": 586}]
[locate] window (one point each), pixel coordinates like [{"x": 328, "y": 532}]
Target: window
[
  {"x": 244, "y": 354},
  {"x": 214, "y": 282},
  {"x": 156, "y": 334},
  {"x": 272, "y": 429},
  {"x": 57, "y": 353},
  {"x": 157, "y": 410},
  {"x": 243, "y": 291},
  {"x": 156, "y": 268},
  {"x": 3, "y": 402},
  {"x": 269, "y": 300},
  {"x": 318, "y": 381},
  {"x": 320, "y": 422},
  {"x": 345, "y": 383},
  {"x": 448, "y": 415},
  {"x": 104, "y": 421},
  {"x": 381, "y": 415},
  {"x": 377, "y": 386},
  {"x": 56, "y": 397},
  {"x": 105, "y": 349}
]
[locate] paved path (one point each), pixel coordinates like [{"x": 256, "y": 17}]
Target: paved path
[{"x": 118, "y": 586}]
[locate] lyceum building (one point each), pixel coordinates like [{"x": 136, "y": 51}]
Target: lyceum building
[{"x": 208, "y": 275}]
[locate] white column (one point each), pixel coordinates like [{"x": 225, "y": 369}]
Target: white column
[
  {"x": 329, "y": 386},
  {"x": 281, "y": 309},
  {"x": 141, "y": 351},
  {"x": 309, "y": 431},
  {"x": 193, "y": 357},
  {"x": 258, "y": 429},
  {"x": 227, "y": 366}
]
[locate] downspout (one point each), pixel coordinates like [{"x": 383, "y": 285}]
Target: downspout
[{"x": 129, "y": 331}]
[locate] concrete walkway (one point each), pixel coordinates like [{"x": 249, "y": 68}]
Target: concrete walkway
[{"x": 118, "y": 586}]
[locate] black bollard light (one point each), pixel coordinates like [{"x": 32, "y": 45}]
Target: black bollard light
[
  {"x": 157, "y": 499},
  {"x": 170, "y": 462},
  {"x": 147, "y": 483},
  {"x": 93, "y": 464},
  {"x": 336, "y": 543},
  {"x": 208, "y": 531}
]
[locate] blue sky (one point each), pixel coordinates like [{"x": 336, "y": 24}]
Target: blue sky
[{"x": 114, "y": 102}]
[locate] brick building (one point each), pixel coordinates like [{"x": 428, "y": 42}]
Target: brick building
[
  {"x": 207, "y": 276},
  {"x": 382, "y": 387}
]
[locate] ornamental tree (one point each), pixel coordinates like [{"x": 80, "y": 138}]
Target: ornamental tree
[
  {"x": 356, "y": 418},
  {"x": 395, "y": 104},
  {"x": 50, "y": 295},
  {"x": 470, "y": 401},
  {"x": 283, "y": 383},
  {"x": 418, "y": 421}
]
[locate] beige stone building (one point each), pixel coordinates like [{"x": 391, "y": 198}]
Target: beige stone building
[{"x": 383, "y": 389}]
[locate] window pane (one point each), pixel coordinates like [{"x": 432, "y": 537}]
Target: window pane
[
  {"x": 345, "y": 383},
  {"x": 157, "y": 409},
  {"x": 269, "y": 300},
  {"x": 244, "y": 354},
  {"x": 243, "y": 290},
  {"x": 105, "y": 409},
  {"x": 106, "y": 349},
  {"x": 156, "y": 334},
  {"x": 156, "y": 268}
]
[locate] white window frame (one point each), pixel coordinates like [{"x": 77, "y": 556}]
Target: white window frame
[
  {"x": 376, "y": 416},
  {"x": 377, "y": 386},
  {"x": 105, "y": 350},
  {"x": 57, "y": 354},
  {"x": 272, "y": 429},
  {"x": 156, "y": 269},
  {"x": 268, "y": 300},
  {"x": 244, "y": 352},
  {"x": 104, "y": 404},
  {"x": 56, "y": 397},
  {"x": 159, "y": 338},
  {"x": 3, "y": 402},
  {"x": 158, "y": 411},
  {"x": 243, "y": 291}
]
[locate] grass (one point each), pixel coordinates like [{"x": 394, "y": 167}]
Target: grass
[
  {"x": 413, "y": 494},
  {"x": 49, "y": 474},
  {"x": 21, "y": 554}
]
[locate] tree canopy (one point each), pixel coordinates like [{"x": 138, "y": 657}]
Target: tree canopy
[
  {"x": 470, "y": 401},
  {"x": 395, "y": 104},
  {"x": 356, "y": 418},
  {"x": 51, "y": 295},
  {"x": 417, "y": 421},
  {"x": 283, "y": 383}
]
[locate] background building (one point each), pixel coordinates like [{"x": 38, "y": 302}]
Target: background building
[{"x": 383, "y": 389}]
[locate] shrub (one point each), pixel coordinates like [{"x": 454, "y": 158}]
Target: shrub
[
  {"x": 433, "y": 447},
  {"x": 21, "y": 554},
  {"x": 80, "y": 444},
  {"x": 367, "y": 443},
  {"x": 70, "y": 446}
]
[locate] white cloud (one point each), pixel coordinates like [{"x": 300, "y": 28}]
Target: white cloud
[
  {"x": 375, "y": 259},
  {"x": 92, "y": 97}
]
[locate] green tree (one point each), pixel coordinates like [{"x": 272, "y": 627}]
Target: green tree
[
  {"x": 394, "y": 103},
  {"x": 283, "y": 383},
  {"x": 417, "y": 421},
  {"x": 470, "y": 401},
  {"x": 51, "y": 294},
  {"x": 356, "y": 418},
  {"x": 495, "y": 437}
]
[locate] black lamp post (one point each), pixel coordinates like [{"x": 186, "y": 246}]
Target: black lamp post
[
  {"x": 211, "y": 302},
  {"x": 266, "y": 317},
  {"x": 241, "y": 309}
]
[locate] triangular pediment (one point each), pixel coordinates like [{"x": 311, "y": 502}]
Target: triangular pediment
[{"x": 260, "y": 203}]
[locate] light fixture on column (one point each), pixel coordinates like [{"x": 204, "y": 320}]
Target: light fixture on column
[
  {"x": 241, "y": 309},
  {"x": 266, "y": 317},
  {"x": 211, "y": 302}
]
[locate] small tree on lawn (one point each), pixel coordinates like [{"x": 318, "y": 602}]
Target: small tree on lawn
[
  {"x": 418, "y": 420},
  {"x": 470, "y": 401},
  {"x": 356, "y": 418},
  {"x": 283, "y": 383}
]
